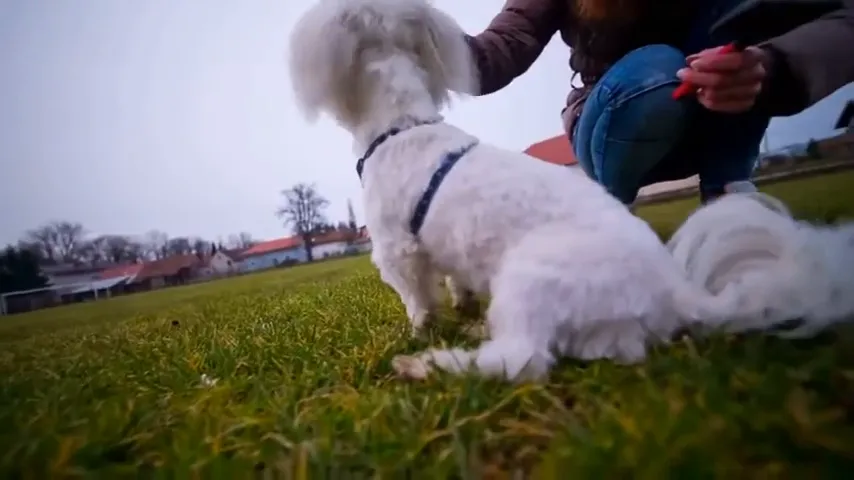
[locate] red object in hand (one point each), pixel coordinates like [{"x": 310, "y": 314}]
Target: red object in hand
[{"x": 686, "y": 88}]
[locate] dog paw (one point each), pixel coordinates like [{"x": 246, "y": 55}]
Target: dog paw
[
  {"x": 410, "y": 367},
  {"x": 477, "y": 331}
]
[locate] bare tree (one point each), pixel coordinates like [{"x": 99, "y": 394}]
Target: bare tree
[
  {"x": 241, "y": 240},
  {"x": 155, "y": 245},
  {"x": 323, "y": 228},
  {"x": 351, "y": 216},
  {"x": 112, "y": 247},
  {"x": 352, "y": 225},
  {"x": 71, "y": 237},
  {"x": 43, "y": 239},
  {"x": 60, "y": 241},
  {"x": 134, "y": 251},
  {"x": 92, "y": 251},
  {"x": 178, "y": 246},
  {"x": 201, "y": 247},
  {"x": 303, "y": 213},
  {"x": 342, "y": 226},
  {"x": 115, "y": 249}
]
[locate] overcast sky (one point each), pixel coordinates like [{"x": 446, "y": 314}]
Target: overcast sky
[{"x": 129, "y": 116}]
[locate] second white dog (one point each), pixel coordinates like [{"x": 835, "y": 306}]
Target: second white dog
[{"x": 570, "y": 270}]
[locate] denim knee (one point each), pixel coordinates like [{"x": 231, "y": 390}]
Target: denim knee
[
  {"x": 630, "y": 122},
  {"x": 652, "y": 67}
]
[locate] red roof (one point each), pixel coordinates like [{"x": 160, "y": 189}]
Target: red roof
[
  {"x": 168, "y": 266},
  {"x": 130, "y": 270},
  {"x": 554, "y": 150},
  {"x": 363, "y": 236},
  {"x": 364, "y": 233},
  {"x": 331, "y": 237},
  {"x": 286, "y": 243},
  {"x": 234, "y": 253}
]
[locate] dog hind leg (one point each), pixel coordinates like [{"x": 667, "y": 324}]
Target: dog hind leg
[{"x": 518, "y": 350}]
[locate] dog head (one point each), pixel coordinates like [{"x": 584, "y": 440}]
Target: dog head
[{"x": 349, "y": 58}]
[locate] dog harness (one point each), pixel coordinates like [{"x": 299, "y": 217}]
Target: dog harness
[{"x": 448, "y": 161}]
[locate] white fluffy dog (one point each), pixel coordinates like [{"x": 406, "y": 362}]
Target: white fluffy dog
[
  {"x": 792, "y": 270},
  {"x": 570, "y": 270}
]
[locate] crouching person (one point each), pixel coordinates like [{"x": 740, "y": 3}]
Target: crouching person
[{"x": 630, "y": 55}]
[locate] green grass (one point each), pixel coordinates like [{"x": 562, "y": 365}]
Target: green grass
[
  {"x": 113, "y": 389},
  {"x": 823, "y": 198}
]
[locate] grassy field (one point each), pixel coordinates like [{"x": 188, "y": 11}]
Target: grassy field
[{"x": 286, "y": 374}]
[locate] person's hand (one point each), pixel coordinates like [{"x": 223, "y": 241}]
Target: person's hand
[{"x": 728, "y": 82}]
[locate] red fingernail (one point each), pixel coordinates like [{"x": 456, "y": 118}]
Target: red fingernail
[
  {"x": 729, "y": 48},
  {"x": 683, "y": 90},
  {"x": 686, "y": 88}
]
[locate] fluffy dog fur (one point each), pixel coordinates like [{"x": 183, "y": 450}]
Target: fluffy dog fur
[
  {"x": 792, "y": 270},
  {"x": 570, "y": 270}
]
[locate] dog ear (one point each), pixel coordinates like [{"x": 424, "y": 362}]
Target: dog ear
[
  {"x": 323, "y": 51},
  {"x": 446, "y": 54}
]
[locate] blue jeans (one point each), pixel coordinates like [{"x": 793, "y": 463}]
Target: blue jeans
[{"x": 631, "y": 133}]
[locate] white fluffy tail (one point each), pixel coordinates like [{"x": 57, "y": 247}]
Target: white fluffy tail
[
  {"x": 748, "y": 251},
  {"x": 509, "y": 359}
]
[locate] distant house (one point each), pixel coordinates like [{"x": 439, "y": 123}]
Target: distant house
[
  {"x": 105, "y": 288},
  {"x": 775, "y": 159},
  {"x": 116, "y": 280},
  {"x": 555, "y": 150},
  {"x": 219, "y": 264},
  {"x": 73, "y": 283},
  {"x": 170, "y": 271},
  {"x": 334, "y": 243},
  {"x": 291, "y": 250},
  {"x": 839, "y": 147},
  {"x": 97, "y": 282},
  {"x": 363, "y": 241},
  {"x": 234, "y": 253},
  {"x": 846, "y": 117},
  {"x": 67, "y": 274},
  {"x": 282, "y": 251},
  {"x": 785, "y": 156},
  {"x": 558, "y": 150},
  {"x": 130, "y": 271}
]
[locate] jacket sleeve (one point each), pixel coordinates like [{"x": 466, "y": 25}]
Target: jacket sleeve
[
  {"x": 513, "y": 40},
  {"x": 809, "y": 63}
]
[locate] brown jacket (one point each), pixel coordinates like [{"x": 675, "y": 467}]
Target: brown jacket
[{"x": 809, "y": 62}]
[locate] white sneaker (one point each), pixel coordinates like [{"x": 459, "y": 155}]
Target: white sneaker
[{"x": 742, "y": 186}]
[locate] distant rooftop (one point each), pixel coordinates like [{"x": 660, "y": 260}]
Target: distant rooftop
[
  {"x": 846, "y": 117},
  {"x": 553, "y": 150}
]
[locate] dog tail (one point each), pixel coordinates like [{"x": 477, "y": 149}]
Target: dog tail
[
  {"x": 754, "y": 259},
  {"x": 511, "y": 359}
]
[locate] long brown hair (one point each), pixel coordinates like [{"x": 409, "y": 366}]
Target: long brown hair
[{"x": 598, "y": 10}]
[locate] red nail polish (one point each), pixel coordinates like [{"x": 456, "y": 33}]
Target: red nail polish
[{"x": 686, "y": 88}]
